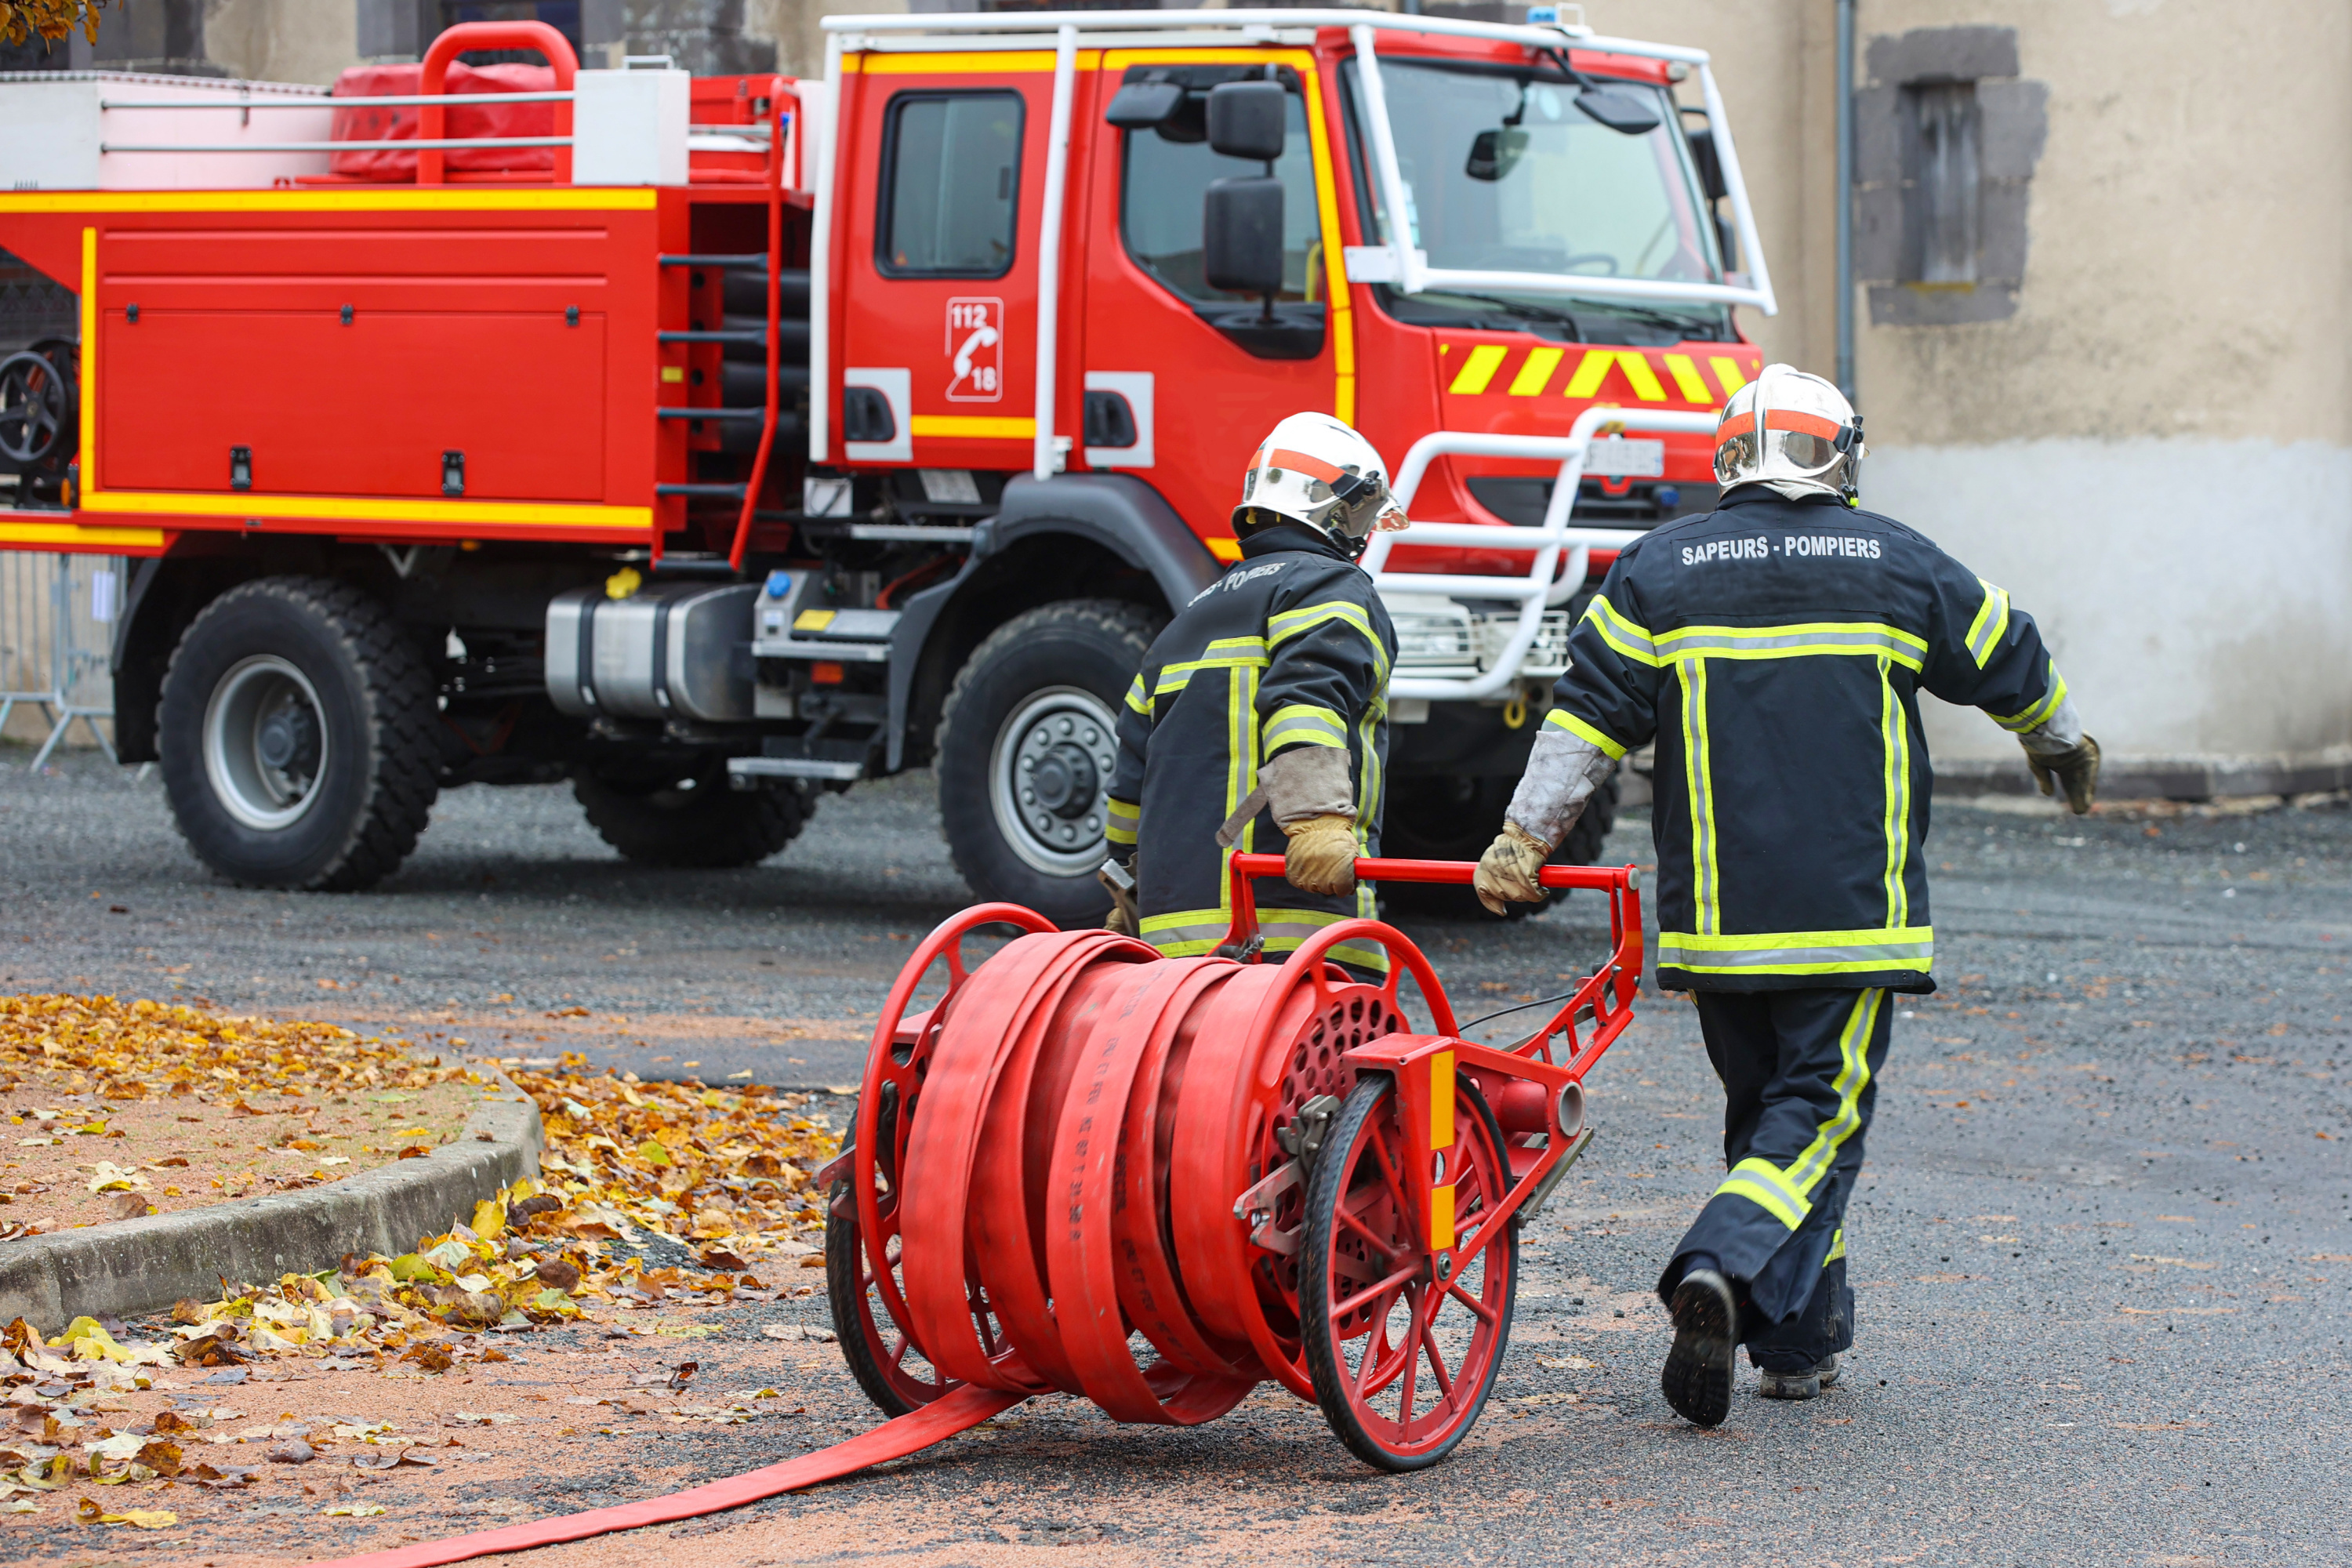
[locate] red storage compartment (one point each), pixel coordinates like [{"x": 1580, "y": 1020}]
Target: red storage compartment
[{"x": 362, "y": 124}]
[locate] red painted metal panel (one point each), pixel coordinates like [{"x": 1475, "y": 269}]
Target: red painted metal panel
[{"x": 363, "y": 409}]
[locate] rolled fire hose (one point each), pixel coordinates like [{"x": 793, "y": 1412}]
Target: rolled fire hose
[{"x": 1260, "y": 1168}]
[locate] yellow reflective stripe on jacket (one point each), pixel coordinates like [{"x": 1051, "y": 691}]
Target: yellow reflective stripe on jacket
[
  {"x": 1894, "y": 737},
  {"x": 1698, "y": 771},
  {"x": 1305, "y": 723},
  {"x": 1837, "y": 1247},
  {"x": 1990, "y": 625},
  {"x": 1123, "y": 820},
  {"x": 1561, "y": 719},
  {"x": 1632, "y": 640},
  {"x": 1762, "y": 1184},
  {"x": 1281, "y": 628},
  {"x": 1136, "y": 698},
  {"x": 1866, "y": 638},
  {"x": 1798, "y": 951},
  {"x": 1806, "y": 1172},
  {"x": 1226, "y": 653},
  {"x": 2020, "y": 722}
]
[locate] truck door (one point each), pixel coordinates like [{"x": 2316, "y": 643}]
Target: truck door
[
  {"x": 935, "y": 361},
  {"x": 1203, "y": 373}
]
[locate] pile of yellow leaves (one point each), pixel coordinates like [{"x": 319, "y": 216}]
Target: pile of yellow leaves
[
  {"x": 22, "y": 19},
  {"x": 725, "y": 1171},
  {"x": 135, "y": 1051}
]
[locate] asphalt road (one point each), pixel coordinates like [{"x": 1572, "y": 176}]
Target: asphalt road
[{"x": 2103, "y": 1249}]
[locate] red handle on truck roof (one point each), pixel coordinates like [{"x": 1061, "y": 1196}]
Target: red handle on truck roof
[{"x": 432, "y": 120}]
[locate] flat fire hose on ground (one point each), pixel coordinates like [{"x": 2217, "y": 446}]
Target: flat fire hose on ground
[{"x": 1259, "y": 1168}]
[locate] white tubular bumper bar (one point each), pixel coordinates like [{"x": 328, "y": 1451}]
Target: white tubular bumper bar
[{"x": 1537, "y": 591}]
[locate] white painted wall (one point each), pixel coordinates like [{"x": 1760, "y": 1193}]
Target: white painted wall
[{"x": 2197, "y": 594}]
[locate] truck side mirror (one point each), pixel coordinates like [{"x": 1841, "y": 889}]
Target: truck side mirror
[
  {"x": 1709, "y": 161},
  {"x": 1140, "y": 105},
  {"x": 1240, "y": 235},
  {"x": 1245, "y": 119},
  {"x": 1624, "y": 111},
  {"x": 1493, "y": 153}
]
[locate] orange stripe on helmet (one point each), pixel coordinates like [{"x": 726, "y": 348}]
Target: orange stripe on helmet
[
  {"x": 1313, "y": 467},
  {"x": 1778, "y": 420}
]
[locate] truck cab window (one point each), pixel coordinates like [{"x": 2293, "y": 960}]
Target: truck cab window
[
  {"x": 1160, "y": 206},
  {"x": 952, "y": 172}
]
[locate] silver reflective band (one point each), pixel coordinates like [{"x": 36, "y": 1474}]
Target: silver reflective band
[{"x": 1878, "y": 954}]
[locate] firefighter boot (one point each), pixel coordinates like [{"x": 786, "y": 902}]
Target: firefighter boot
[
  {"x": 1805, "y": 1385},
  {"x": 1697, "y": 1377}
]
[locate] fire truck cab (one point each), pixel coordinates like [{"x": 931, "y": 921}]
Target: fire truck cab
[{"x": 716, "y": 443}]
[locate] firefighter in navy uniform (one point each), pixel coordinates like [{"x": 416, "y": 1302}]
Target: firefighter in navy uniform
[
  {"x": 1775, "y": 649},
  {"x": 1261, "y": 715}
]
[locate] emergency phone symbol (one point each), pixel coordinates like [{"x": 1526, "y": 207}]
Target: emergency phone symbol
[{"x": 975, "y": 348}]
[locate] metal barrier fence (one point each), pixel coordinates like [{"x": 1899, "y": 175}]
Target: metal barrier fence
[{"x": 56, "y": 629}]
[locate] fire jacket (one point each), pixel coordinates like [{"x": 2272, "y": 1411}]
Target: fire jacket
[
  {"x": 1775, "y": 650},
  {"x": 1290, "y": 647}
]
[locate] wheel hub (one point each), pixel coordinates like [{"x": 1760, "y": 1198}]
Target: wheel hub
[
  {"x": 265, "y": 743},
  {"x": 1051, "y": 766},
  {"x": 1063, "y": 779},
  {"x": 288, "y": 740}
]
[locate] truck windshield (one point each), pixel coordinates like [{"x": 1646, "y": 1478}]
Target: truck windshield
[{"x": 1505, "y": 173}]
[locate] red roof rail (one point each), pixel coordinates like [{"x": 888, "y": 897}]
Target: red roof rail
[{"x": 432, "y": 121}]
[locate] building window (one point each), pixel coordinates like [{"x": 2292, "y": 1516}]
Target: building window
[
  {"x": 1945, "y": 174},
  {"x": 951, "y": 174}
]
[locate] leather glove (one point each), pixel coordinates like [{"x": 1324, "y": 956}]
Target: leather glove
[
  {"x": 1508, "y": 868},
  {"x": 2074, "y": 771},
  {"x": 1322, "y": 858},
  {"x": 1124, "y": 917}
]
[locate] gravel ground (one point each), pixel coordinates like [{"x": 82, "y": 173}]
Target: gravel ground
[{"x": 2103, "y": 1249}]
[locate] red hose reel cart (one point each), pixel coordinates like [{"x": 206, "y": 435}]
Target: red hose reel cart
[{"x": 1260, "y": 1168}]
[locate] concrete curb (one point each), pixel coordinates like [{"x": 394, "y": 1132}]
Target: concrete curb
[{"x": 146, "y": 1265}]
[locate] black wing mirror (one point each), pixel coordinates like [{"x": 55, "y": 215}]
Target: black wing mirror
[
  {"x": 1493, "y": 153},
  {"x": 1710, "y": 161},
  {"x": 1240, "y": 236},
  {"x": 1247, "y": 119},
  {"x": 1623, "y": 110},
  {"x": 1140, "y": 105}
]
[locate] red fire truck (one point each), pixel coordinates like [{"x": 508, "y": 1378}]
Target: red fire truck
[{"x": 716, "y": 443}]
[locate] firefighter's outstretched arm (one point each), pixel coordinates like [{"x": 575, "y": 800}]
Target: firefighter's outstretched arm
[
  {"x": 1327, "y": 671},
  {"x": 1604, "y": 706},
  {"x": 1988, "y": 654}
]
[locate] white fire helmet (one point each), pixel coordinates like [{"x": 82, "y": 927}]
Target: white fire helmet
[
  {"x": 1792, "y": 432},
  {"x": 1314, "y": 470}
]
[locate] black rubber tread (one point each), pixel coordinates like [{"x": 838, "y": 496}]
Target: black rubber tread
[
  {"x": 1326, "y": 1365},
  {"x": 1696, "y": 1378},
  {"x": 851, "y": 1325},
  {"x": 382, "y": 710},
  {"x": 1464, "y": 832},
  {"x": 1099, "y": 643},
  {"x": 709, "y": 828}
]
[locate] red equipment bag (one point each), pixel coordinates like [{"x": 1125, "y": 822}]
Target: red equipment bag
[{"x": 399, "y": 124}]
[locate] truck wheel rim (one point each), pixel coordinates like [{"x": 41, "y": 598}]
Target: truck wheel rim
[
  {"x": 265, "y": 743},
  {"x": 1049, "y": 776}
]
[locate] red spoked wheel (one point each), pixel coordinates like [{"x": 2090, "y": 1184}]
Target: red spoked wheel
[
  {"x": 1402, "y": 1342},
  {"x": 865, "y": 1282}
]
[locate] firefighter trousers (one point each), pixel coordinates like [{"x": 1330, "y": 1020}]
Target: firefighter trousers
[{"x": 1799, "y": 1071}]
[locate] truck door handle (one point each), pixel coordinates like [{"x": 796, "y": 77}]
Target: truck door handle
[{"x": 1109, "y": 421}]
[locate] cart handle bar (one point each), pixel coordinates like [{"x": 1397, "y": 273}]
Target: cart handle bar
[{"x": 1370, "y": 869}]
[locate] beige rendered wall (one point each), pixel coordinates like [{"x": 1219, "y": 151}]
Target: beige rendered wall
[
  {"x": 2154, "y": 454},
  {"x": 283, "y": 40}
]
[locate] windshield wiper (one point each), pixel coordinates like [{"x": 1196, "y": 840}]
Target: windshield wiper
[
  {"x": 1521, "y": 307},
  {"x": 1654, "y": 316}
]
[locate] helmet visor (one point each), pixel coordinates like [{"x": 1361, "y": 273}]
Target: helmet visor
[{"x": 1365, "y": 504}]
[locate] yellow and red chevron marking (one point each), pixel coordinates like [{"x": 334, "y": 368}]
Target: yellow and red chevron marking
[{"x": 1595, "y": 371}]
